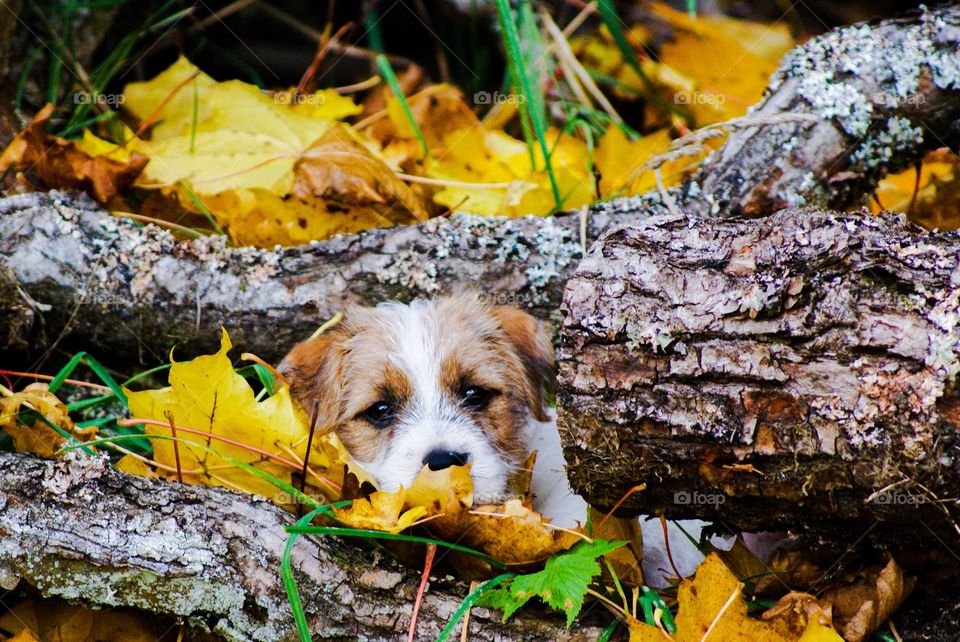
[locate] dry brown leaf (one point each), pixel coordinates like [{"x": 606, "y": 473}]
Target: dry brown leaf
[
  {"x": 871, "y": 597},
  {"x": 338, "y": 168},
  {"x": 438, "y": 111},
  {"x": 795, "y": 568},
  {"x": 792, "y": 614},
  {"x": 37, "y": 437},
  {"x": 59, "y": 163}
]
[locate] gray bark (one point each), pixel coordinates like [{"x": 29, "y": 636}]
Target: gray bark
[
  {"x": 792, "y": 366},
  {"x": 69, "y": 272},
  {"x": 78, "y": 529}
]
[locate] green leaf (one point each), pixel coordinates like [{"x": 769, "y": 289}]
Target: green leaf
[
  {"x": 562, "y": 583},
  {"x": 502, "y": 599}
]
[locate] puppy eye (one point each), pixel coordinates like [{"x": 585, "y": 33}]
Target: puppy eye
[
  {"x": 477, "y": 397},
  {"x": 380, "y": 414}
]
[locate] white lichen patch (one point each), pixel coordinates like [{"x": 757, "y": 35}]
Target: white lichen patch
[
  {"x": 898, "y": 137},
  {"x": 825, "y": 66}
]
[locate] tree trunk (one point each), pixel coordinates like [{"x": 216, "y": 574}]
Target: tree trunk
[
  {"x": 776, "y": 373},
  {"x": 70, "y": 272},
  {"x": 78, "y": 529}
]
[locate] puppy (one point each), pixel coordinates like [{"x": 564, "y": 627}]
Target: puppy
[
  {"x": 451, "y": 382},
  {"x": 437, "y": 383}
]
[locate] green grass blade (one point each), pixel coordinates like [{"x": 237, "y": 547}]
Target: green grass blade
[
  {"x": 387, "y": 72},
  {"x": 83, "y": 124},
  {"x": 522, "y": 81},
  {"x": 608, "y": 632},
  {"x": 74, "y": 442},
  {"x": 363, "y": 532},
  {"x": 290, "y": 582},
  {"x": 267, "y": 378},
  {"x": 65, "y": 372},
  {"x": 468, "y": 602},
  {"x": 94, "y": 401},
  {"x": 203, "y": 208}
]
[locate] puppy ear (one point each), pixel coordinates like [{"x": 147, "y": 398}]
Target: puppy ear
[
  {"x": 532, "y": 344},
  {"x": 312, "y": 368}
]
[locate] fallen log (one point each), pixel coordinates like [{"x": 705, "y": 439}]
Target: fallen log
[
  {"x": 78, "y": 529},
  {"x": 70, "y": 272},
  {"x": 797, "y": 371}
]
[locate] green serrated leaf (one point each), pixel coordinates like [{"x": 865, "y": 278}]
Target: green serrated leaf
[
  {"x": 562, "y": 583},
  {"x": 502, "y": 599}
]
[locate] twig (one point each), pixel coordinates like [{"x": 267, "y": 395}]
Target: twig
[{"x": 427, "y": 564}]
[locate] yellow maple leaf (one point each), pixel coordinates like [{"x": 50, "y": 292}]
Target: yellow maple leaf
[
  {"x": 243, "y": 153},
  {"x": 207, "y": 395}
]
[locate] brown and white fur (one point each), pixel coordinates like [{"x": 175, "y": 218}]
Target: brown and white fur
[
  {"x": 447, "y": 382},
  {"x": 433, "y": 382}
]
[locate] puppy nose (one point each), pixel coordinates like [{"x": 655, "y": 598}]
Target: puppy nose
[{"x": 440, "y": 459}]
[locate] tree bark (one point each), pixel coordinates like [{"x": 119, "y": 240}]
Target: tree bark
[
  {"x": 69, "y": 272},
  {"x": 773, "y": 374},
  {"x": 78, "y": 529}
]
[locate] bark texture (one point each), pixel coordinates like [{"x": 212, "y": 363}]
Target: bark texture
[
  {"x": 70, "y": 272},
  {"x": 78, "y": 529},
  {"x": 792, "y": 367},
  {"x": 884, "y": 93}
]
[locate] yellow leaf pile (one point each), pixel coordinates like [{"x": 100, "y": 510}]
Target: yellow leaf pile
[{"x": 208, "y": 396}]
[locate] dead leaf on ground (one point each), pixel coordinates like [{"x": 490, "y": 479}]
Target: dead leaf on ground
[
  {"x": 37, "y": 437},
  {"x": 868, "y": 600},
  {"x": 337, "y": 167},
  {"x": 59, "y": 163}
]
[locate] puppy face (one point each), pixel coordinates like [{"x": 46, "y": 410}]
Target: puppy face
[{"x": 437, "y": 383}]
